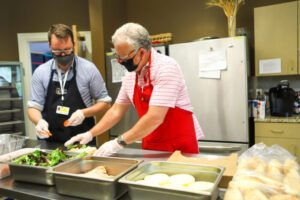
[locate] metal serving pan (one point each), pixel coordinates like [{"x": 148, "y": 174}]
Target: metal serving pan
[
  {"x": 33, "y": 174},
  {"x": 139, "y": 190},
  {"x": 70, "y": 181}
]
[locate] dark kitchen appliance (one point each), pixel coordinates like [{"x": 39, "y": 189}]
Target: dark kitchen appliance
[{"x": 282, "y": 99}]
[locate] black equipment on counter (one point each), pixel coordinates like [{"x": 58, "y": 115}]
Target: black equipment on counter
[{"x": 282, "y": 99}]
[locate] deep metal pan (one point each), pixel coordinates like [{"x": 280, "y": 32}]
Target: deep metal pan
[
  {"x": 137, "y": 190},
  {"x": 69, "y": 177},
  {"x": 33, "y": 174}
]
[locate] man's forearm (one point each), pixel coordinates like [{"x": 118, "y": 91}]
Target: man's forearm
[
  {"x": 146, "y": 124},
  {"x": 111, "y": 117},
  {"x": 34, "y": 115},
  {"x": 99, "y": 107}
]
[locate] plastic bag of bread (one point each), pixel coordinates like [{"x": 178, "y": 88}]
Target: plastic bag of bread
[{"x": 265, "y": 173}]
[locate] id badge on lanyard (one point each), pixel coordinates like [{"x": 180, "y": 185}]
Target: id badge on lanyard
[{"x": 60, "y": 109}]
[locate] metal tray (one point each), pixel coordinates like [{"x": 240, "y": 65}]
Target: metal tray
[
  {"x": 33, "y": 174},
  {"x": 139, "y": 191},
  {"x": 70, "y": 181}
]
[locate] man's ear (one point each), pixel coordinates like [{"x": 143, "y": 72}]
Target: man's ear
[{"x": 143, "y": 51}]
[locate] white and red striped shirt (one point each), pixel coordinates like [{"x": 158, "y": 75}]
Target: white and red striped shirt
[{"x": 169, "y": 87}]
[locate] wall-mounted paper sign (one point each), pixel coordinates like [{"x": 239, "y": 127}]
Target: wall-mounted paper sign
[
  {"x": 212, "y": 60},
  {"x": 118, "y": 71},
  {"x": 210, "y": 74},
  {"x": 268, "y": 66}
]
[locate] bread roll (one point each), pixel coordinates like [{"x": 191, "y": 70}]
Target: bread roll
[
  {"x": 290, "y": 164},
  {"x": 275, "y": 163},
  {"x": 158, "y": 179},
  {"x": 247, "y": 177},
  {"x": 271, "y": 185},
  {"x": 233, "y": 194},
  {"x": 284, "y": 197},
  {"x": 97, "y": 172},
  {"x": 275, "y": 173},
  {"x": 175, "y": 186},
  {"x": 249, "y": 183},
  {"x": 246, "y": 184},
  {"x": 255, "y": 194},
  {"x": 199, "y": 186},
  {"x": 291, "y": 182},
  {"x": 182, "y": 179},
  {"x": 100, "y": 169},
  {"x": 233, "y": 185},
  {"x": 261, "y": 167},
  {"x": 251, "y": 163}
]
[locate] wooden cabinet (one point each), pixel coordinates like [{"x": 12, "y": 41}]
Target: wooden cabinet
[
  {"x": 286, "y": 135},
  {"x": 276, "y": 37}
]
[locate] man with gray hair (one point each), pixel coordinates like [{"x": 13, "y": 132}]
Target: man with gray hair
[
  {"x": 64, "y": 89},
  {"x": 156, "y": 88}
]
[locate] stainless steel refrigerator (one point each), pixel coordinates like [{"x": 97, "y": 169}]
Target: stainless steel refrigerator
[{"x": 216, "y": 75}]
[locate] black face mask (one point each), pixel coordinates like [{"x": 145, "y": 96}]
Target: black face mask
[
  {"x": 129, "y": 65},
  {"x": 64, "y": 60}
]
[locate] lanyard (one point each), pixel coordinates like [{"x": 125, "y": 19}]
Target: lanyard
[{"x": 62, "y": 83}]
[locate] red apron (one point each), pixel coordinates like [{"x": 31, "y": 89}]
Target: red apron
[{"x": 177, "y": 132}]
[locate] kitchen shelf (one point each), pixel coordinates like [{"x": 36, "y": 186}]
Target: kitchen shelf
[
  {"x": 11, "y": 122},
  {"x": 11, "y": 99},
  {"x": 14, "y": 133},
  {"x": 6, "y": 87},
  {"x": 10, "y": 111}
]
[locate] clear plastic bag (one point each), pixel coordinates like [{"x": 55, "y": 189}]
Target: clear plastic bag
[
  {"x": 267, "y": 153},
  {"x": 265, "y": 173}
]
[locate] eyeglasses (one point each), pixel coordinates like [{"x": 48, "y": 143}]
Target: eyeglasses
[
  {"x": 59, "y": 52},
  {"x": 123, "y": 58}
]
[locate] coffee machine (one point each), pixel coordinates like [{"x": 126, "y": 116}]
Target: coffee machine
[{"x": 282, "y": 99}]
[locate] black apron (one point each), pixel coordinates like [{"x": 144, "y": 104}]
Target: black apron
[{"x": 73, "y": 100}]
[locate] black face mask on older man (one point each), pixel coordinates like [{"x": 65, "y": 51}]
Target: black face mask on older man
[{"x": 129, "y": 65}]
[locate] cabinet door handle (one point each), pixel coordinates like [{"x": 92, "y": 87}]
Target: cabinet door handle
[{"x": 277, "y": 131}]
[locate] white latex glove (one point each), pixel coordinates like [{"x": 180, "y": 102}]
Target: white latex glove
[
  {"x": 82, "y": 138},
  {"x": 76, "y": 118},
  {"x": 42, "y": 130},
  {"x": 108, "y": 148}
]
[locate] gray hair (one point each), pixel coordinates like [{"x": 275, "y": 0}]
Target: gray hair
[{"x": 134, "y": 34}]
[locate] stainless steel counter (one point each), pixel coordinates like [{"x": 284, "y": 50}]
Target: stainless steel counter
[
  {"x": 210, "y": 148},
  {"x": 22, "y": 190}
]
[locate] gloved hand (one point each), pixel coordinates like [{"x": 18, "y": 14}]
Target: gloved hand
[
  {"x": 76, "y": 118},
  {"x": 108, "y": 148},
  {"x": 42, "y": 130},
  {"x": 82, "y": 138}
]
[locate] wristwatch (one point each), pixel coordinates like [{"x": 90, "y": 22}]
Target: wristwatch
[{"x": 121, "y": 141}]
